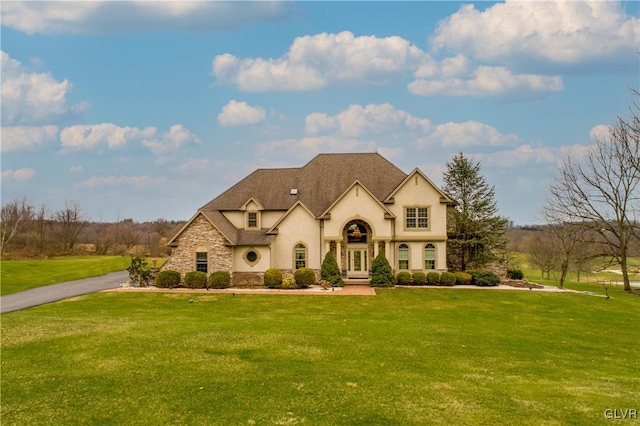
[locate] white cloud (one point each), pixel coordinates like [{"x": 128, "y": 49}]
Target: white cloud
[
  {"x": 33, "y": 98},
  {"x": 600, "y": 132},
  {"x": 373, "y": 119},
  {"x": 139, "y": 182},
  {"x": 531, "y": 156},
  {"x": 20, "y": 175},
  {"x": 96, "y": 17},
  {"x": 240, "y": 114},
  {"x": 170, "y": 141},
  {"x": 82, "y": 137},
  {"x": 18, "y": 138},
  {"x": 313, "y": 62},
  {"x": 549, "y": 32},
  {"x": 488, "y": 81},
  {"x": 76, "y": 169},
  {"x": 91, "y": 135},
  {"x": 466, "y": 134}
]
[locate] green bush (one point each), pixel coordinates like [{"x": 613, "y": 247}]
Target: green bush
[
  {"x": 381, "y": 275},
  {"x": 448, "y": 278},
  {"x": 484, "y": 278},
  {"x": 433, "y": 278},
  {"x": 219, "y": 279},
  {"x": 304, "y": 277},
  {"x": 168, "y": 279},
  {"x": 140, "y": 272},
  {"x": 273, "y": 278},
  {"x": 289, "y": 282},
  {"x": 403, "y": 278},
  {"x": 195, "y": 279},
  {"x": 330, "y": 271},
  {"x": 515, "y": 274},
  {"x": 462, "y": 278},
  {"x": 419, "y": 278}
]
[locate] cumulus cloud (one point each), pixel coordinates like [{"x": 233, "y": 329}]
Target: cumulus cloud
[
  {"x": 240, "y": 114},
  {"x": 27, "y": 138},
  {"x": 170, "y": 141},
  {"x": 373, "y": 119},
  {"x": 466, "y": 134},
  {"x": 83, "y": 137},
  {"x": 97, "y": 17},
  {"x": 315, "y": 144},
  {"x": 600, "y": 132},
  {"x": 313, "y": 62},
  {"x": 20, "y": 175},
  {"x": 531, "y": 156},
  {"x": 139, "y": 182},
  {"x": 496, "y": 82},
  {"x": 91, "y": 135},
  {"x": 34, "y": 98},
  {"x": 567, "y": 33}
]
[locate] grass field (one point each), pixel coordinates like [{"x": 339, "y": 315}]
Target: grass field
[
  {"x": 403, "y": 357},
  {"x": 20, "y": 275}
]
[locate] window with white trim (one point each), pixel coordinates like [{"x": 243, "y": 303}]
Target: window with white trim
[
  {"x": 416, "y": 217},
  {"x": 403, "y": 256},
  {"x": 300, "y": 256},
  {"x": 429, "y": 256}
]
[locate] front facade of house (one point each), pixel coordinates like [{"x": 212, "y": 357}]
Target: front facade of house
[{"x": 355, "y": 205}]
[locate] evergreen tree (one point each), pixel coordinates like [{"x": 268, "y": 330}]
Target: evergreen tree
[
  {"x": 330, "y": 271},
  {"x": 381, "y": 274},
  {"x": 475, "y": 231}
]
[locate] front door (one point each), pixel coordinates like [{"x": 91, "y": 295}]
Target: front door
[{"x": 357, "y": 263}]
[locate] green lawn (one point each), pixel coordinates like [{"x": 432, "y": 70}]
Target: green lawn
[
  {"x": 20, "y": 275},
  {"x": 403, "y": 357}
]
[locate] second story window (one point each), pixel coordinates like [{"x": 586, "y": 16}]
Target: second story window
[
  {"x": 416, "y": 217},
  {"x": 252, "y": 220}
]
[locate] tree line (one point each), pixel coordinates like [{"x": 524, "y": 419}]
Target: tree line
[{"x": 30, "y": 231}]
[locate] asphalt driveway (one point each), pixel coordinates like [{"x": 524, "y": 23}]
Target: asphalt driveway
[{"x": 55, "y": 292}]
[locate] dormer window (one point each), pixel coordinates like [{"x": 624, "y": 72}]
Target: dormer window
[{"x": 252, "y": 219}]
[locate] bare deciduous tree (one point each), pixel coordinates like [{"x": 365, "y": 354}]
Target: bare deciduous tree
[
  {"x": 14, "y": 216},
  {"x": 70, "y": 221},
  {"x": 601, "y": 192},
  {"x": 541, "y": 251}
]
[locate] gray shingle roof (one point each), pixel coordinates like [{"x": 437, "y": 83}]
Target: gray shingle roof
[{"x": 319, "y": 183}]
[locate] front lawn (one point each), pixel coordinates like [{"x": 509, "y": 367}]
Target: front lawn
[
  {"x": 20, "y": 275},
  {"x": 403, "y": 357}
]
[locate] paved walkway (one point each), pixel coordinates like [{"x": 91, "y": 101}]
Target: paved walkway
[{"x": 55, "y": 292}]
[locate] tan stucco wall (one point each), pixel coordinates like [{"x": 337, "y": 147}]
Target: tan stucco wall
[
  {"x": 418, "y": 192},
  {"x": 357, "y": 203},
  {"x": 240, "y": 264},
  {"x": 199, "y": 233},
  {"x": 298, "y": 226}
]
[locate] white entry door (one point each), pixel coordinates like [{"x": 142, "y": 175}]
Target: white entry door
[{"x": 358, "y": 264}]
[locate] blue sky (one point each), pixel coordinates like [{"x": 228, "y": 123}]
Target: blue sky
[{"x": 149, "y": 110}]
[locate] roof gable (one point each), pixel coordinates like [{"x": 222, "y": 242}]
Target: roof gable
[
  {"x": 444, "y": 198},
  {"x": 348, "y": 190}
]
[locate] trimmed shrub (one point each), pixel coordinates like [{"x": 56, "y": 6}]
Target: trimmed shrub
[
  {"x": 330, "y": 271},
  {"x": 515, "y": 274},
  {"x": 168, "y": 279},
  {"x": 219, "y": 279},
  {"x": 462, "y": 278},
  {"x": 304, "y": 277},
  {"x": 381, "y": 275},
  {"x": 484, "y": 278},
  {"x": 433, "y": 278},
  {"x": 419, "y": 278},
  {"x": 448, "y": 278},
  {"x": 195, "y": 279},
  {"x": 273, "y": 278},
  {"x": 403, "y": 278},
  {"x": 289, "y": 282}
]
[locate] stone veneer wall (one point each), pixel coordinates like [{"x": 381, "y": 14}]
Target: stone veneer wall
[{"x": 200, "y": 233}]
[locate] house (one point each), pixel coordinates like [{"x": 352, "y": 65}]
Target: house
[{"x": 355, "y": 205}]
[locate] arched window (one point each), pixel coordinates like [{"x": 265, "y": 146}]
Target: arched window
[
  {"x": 429, "y": 256},
  {"x": 300, "y": 256},
  {"x": 403, "y": 256}
]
